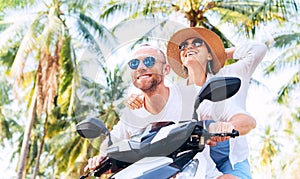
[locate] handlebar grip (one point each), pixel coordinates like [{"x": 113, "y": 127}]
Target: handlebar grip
[
  {"x": 233, "y": 134},
  {"x": 105, "y": 166}
]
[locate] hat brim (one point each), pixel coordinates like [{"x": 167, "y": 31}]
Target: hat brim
[{"x": 211, "y": 39}]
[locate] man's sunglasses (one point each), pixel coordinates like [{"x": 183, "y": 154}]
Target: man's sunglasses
[
  {"x": 197, "y": 43},
  {"x": 148, "y": 62}
]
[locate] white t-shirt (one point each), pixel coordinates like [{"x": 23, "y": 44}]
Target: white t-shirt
[
  {"x": 179, "y": 107},
  {"x": 249, "y": 56},
  {"x": 135, "y": 121}
]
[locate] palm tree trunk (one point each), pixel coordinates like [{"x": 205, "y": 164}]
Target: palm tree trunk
[
  {"x": 37, "y": 163},
  {"x": 27, "y": 133}
]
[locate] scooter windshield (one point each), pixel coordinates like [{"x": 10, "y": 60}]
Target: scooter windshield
[{"x": 149, "y": 133}]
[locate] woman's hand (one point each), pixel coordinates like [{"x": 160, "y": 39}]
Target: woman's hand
[
  {"x": 229, "y": 52},
  {"x": 219, "y": 127}
]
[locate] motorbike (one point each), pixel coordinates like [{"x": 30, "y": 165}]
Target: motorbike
[{"x": 164, "y": 149}]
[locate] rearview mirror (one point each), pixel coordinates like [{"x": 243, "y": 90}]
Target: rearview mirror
[
  {"x": 217, "y": 89},
  {"x": 91, "y": 128}
]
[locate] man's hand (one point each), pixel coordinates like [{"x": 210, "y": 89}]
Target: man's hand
[
  {"x": 94, "y": 162},
  {"x": 219, "y": 127},
  {"x": 135, "y": 101}
]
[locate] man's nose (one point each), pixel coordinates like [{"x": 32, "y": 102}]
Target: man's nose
[
  {"x": 142, "y": 68},
  {"x": 141, "y": 65}
]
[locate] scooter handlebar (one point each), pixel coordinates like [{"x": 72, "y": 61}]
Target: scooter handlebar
[
  {"x": 105, "y": 166},
  {"x": 232, "y": 134}
]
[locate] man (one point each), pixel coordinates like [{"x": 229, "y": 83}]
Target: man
[{"x": 160, "y": 103}]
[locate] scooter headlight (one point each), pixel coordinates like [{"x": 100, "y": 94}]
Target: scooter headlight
[{"x": 189, "y": 170}]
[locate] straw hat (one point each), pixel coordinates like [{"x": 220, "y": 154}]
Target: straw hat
[{"x": 211, "y": 39}]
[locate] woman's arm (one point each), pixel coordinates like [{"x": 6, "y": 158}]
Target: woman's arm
[{"x": 249, "y": 56}]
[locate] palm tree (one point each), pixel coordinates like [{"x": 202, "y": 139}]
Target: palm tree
[
  {"x": 290, "y": 57},
  {"x": 55, "y": 75},
  {"x": 288, "y": 43},
  {"x": 245, "y": 16},
  {"x": 4, "y": 89},
  {"x": 45, "y": 61}
]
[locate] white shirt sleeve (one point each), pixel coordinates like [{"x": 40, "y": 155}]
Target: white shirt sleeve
[
  {"x": 249, "y": 56},
  {"x": 219, "y": 111},
  {"x": 118, "y": 133}
]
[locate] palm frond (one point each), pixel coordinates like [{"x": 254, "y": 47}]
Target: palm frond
[
  {"x": 12, "y": 4},
  {"x": 92, "y": 43},
  {"x": 75, "y": 6},
  {"x": 270, "y": 147},
  {"x": 286, "y": 40},
  {"x": 27, "y": 45},
  {"x": 106, "y": 36},
  {"x": 284, "y": 92},
  {"x": 8, "y": 53},
  {"x": 75, "y": 152},
  {"x": 296, "y": 115},
  {"x": 208, "y": 25},
  {"x": 64, "y": 153},
  {"x": 21, "y": 56},
  {"x": 117, "y": 7},
  {"x": 288, "y": 59},
  {"x": 247, "y": 15},
  {"x": 52, "y": 30},
  {"x": 134, "y": 9}
]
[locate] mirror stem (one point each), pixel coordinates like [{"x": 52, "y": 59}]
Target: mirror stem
[
  {"x": 109, "y": 139},
  {"x": 195, "y": 115}
]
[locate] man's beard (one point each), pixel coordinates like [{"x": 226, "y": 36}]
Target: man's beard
[{"x": 150, "y": 86}]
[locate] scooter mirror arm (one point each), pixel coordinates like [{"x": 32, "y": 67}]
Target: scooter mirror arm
[
  {"x": 196, "y": 106},
  {"x": 109, "y": 138}
]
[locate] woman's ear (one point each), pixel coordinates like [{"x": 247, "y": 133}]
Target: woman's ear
[{"x": 209, "y": 56}]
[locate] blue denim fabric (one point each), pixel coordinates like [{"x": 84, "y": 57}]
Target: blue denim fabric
[{"x": 220, "y": 155}]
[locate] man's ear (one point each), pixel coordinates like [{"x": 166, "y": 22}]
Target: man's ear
[{"x": 166, "y": 69}]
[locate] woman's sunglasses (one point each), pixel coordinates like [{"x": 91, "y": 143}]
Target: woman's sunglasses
[
  {"x": 197, "y": 43},
  {"x": 148, "y": 62}
]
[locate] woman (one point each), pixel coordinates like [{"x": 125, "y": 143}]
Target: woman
[{"x": 198, "y": 54}]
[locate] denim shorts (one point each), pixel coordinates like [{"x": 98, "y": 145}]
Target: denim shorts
[{"x": 220, "y": 155}]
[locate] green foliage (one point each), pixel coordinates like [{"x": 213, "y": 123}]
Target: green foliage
[
  {"x": 15, "y": 4},
  {"x": 287, "y": 40},
  {"x": 283, "y": 94},
  {"x": 270, "y": 147},
  {"x": 64, "y": 155},
  {"x": 49, "y": 28},
  {"x": 7, "y": 54},
  {"x": 67, "y": 76},
  {"x": 296, "y": 116}
]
